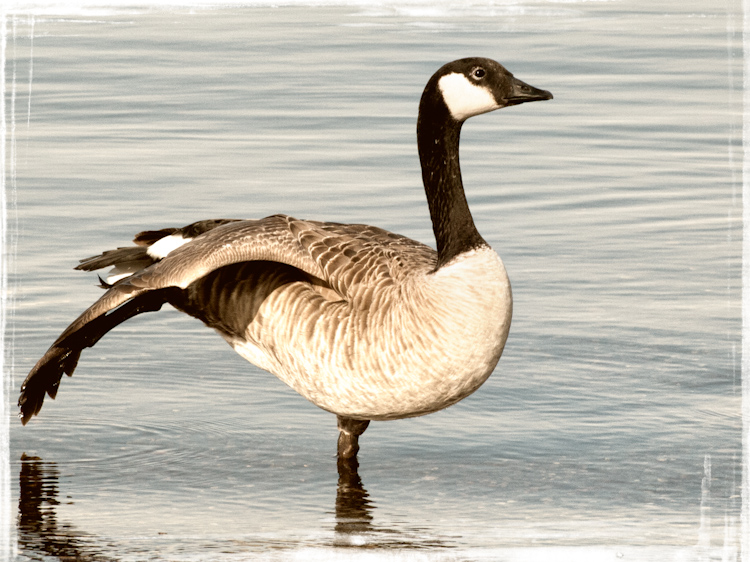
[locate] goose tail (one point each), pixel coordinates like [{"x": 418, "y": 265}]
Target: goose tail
[
  {"x": 123, "y": 261},
  {"x": 150, "y": 247}
]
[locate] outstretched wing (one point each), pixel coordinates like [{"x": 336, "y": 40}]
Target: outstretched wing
[{"x": 340, "y": 257}]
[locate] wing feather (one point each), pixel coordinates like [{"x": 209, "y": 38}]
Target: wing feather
[{"x": 341, "y": 255}]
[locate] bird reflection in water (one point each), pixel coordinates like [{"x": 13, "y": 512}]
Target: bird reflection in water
[
  {"x": 354, "y": 518},
  {"x": 353, "y": 508},
  {"x": 39, "y": 531}
]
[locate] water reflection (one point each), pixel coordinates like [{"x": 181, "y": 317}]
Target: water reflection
[
  {"x": 41, "y": 534},
  {"x": 39, "y": 531},
  {"x": 354, "y": 518},
  {"x": 353, "y": 508}
]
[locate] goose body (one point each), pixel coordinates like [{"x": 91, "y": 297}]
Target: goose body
[
  {"x": 364, "y": 323},
  {"x": 396, "y": 347}
]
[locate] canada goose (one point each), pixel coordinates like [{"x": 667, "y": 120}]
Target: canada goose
[{"x": 366, "y": 324}]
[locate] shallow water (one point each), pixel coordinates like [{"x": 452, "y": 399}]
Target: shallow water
[{"x": 613, "y": 419}]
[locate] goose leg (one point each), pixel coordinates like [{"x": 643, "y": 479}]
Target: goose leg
[{"x": 349, "y": 432}]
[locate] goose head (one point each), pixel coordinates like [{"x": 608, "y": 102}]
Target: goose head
[
  {"x": 471, "y": 86},
  {"x": 457, "y": 91}
]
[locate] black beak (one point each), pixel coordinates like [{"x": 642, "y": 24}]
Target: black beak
[{"x": 521, "y": 92}]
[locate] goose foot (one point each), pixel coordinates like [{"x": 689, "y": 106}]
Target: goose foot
[{"x": 349, "y": 432}]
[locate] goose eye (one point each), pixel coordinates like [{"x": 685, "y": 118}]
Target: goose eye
[{"x": 478, "y": 73}]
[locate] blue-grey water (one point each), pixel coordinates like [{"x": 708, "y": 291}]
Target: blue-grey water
[{"x": 611, "y": 428}]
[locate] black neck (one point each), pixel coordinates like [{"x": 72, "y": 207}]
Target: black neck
[{"x": 438, "y": 138}]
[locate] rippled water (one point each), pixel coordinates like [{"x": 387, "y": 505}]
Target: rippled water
[{"x": 613, "y": 419}]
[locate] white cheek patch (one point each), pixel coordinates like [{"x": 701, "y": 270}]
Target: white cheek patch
[
  {"x": 463, "y": 98},
  {"x": 161, "y": 248}
]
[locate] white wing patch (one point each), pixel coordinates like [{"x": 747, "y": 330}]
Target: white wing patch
[
  {"x": 463, "y": 98},
  {"x": 115, "y": 275},
  {"x": 122, "y": 271},
  {"x": 161, "y": 248}
]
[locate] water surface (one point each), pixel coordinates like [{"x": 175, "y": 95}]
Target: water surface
[{"x": 613, "y": 419}]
